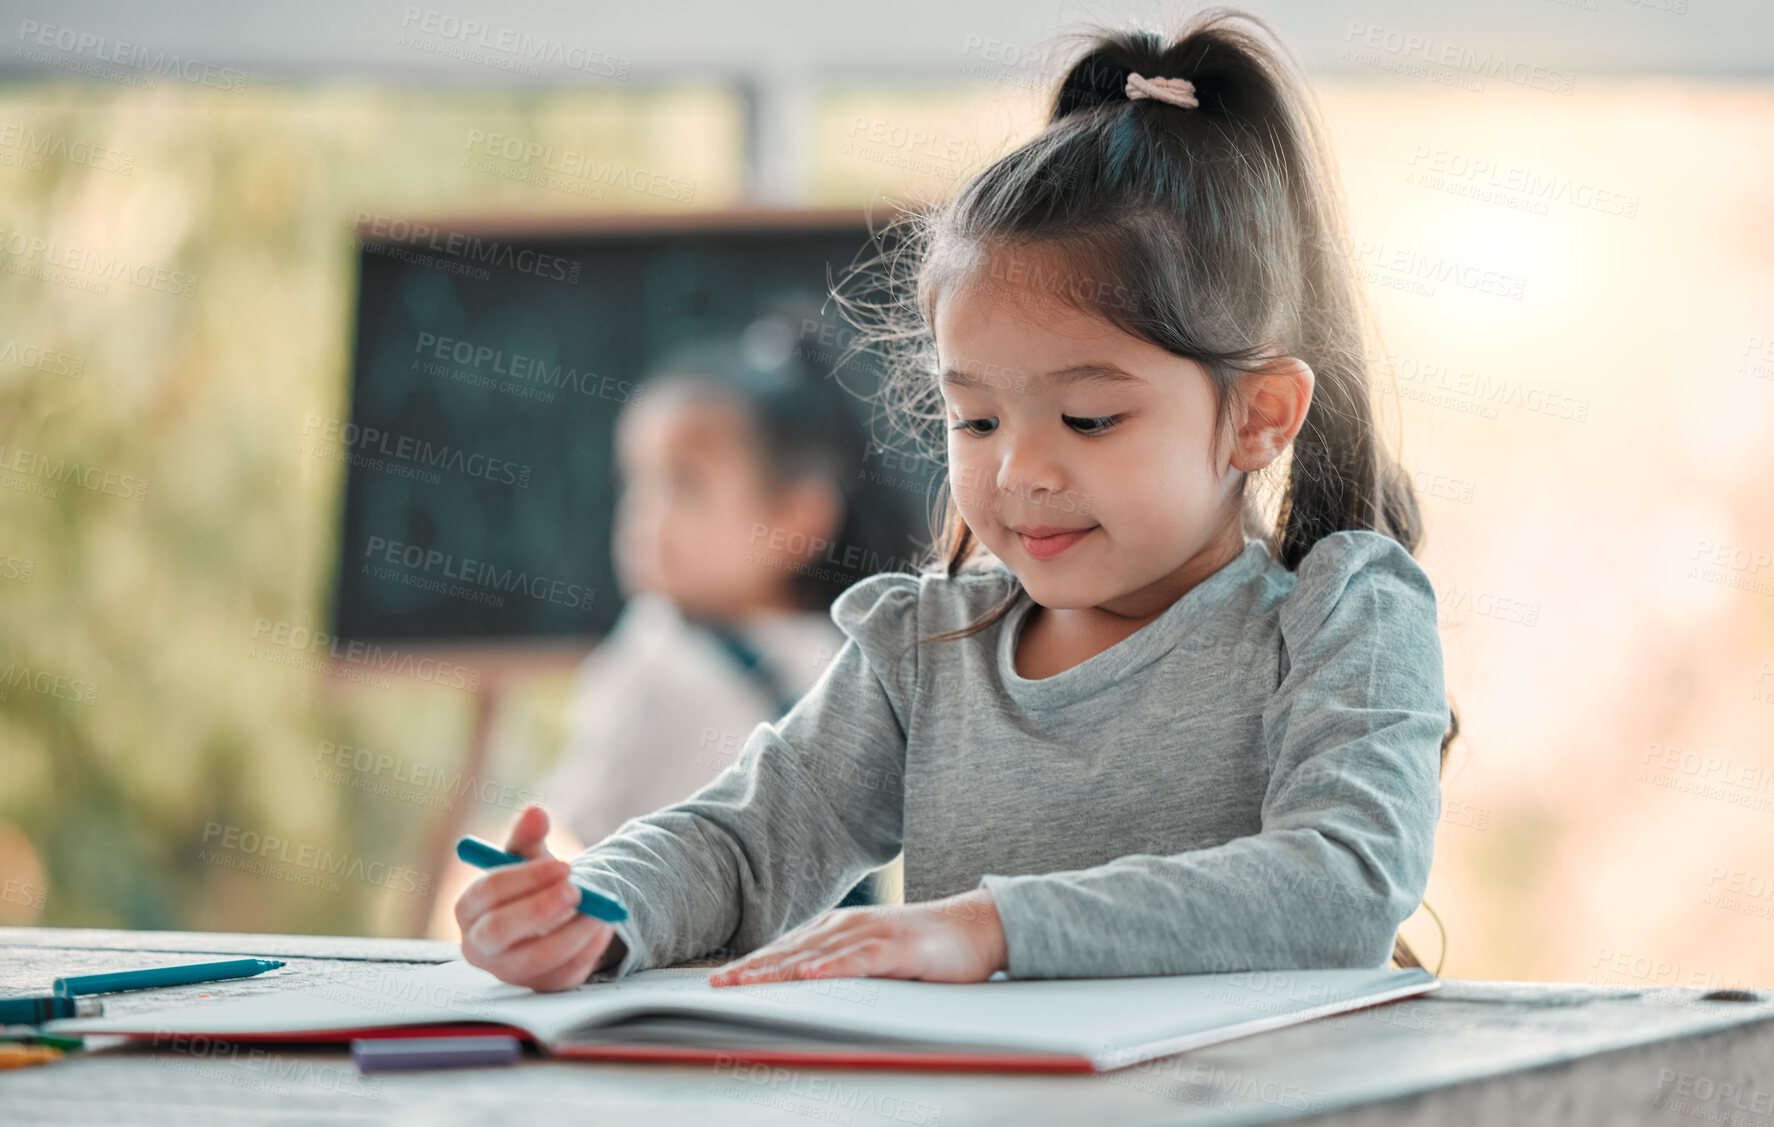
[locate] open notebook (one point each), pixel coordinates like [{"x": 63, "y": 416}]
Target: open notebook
[{"x": 1059, "y": 1025}]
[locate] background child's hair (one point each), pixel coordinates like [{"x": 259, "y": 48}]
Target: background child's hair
[
  {"x": 799, "y": 426},
  {"x": 1214, "y": 232}
]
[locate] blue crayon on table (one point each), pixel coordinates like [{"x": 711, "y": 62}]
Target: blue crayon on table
[
  {"x": 155, "y": 977},
  {"x": 483, "y": 854},
  {"x": 405, "y": 1054}
]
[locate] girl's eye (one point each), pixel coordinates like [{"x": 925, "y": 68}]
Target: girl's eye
[
  {"x": 1099, "y": 425},
  {"x": 1088, "y": 427}
]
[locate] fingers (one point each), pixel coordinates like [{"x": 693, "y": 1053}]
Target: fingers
[
  {"x": 522, "y": 922},
  {"x": 779, "y": 966},
  {"x": 578, "y": 968},
  {"x": 513, "y": 921},
  {"x": 558, "y": 960},
  {"x": 508, "y": 883},
  {"x": 800, "y": 953},
  {"x": 548, "y": 962},
  {"x": 806, "y": 963},
  {"x": 874, "y": 956},
  {"x": 529, "y": 833}
]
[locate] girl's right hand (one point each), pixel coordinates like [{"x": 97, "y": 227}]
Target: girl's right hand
[{"x": 522, "y": 922}]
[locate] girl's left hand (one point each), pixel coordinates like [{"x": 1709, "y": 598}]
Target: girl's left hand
[{"x": 956, "y": 939}]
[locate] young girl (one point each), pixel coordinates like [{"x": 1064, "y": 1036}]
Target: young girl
[{"x": 1123, "y": 728}]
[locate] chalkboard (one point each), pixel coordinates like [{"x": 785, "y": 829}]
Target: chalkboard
[{"x": 489, "y": 367}]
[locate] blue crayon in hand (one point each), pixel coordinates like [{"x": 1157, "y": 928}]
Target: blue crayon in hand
[{"x": 483, "y": 854}]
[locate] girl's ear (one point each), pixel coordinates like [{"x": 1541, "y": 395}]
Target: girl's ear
[{"x": 1275, "y": 399}]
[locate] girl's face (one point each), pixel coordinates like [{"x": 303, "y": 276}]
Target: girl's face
[
  {"x": 1058, "y": 422},
  {"x": 697, "y": 521}
]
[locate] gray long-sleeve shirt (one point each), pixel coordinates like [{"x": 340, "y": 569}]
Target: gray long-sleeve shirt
[{"x": 1249, "y": 781}]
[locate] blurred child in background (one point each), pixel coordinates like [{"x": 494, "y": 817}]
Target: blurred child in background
[{"x": 741, "y": 516}]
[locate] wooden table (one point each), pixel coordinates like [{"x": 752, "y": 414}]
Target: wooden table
[{"x": 1473, "y": 1052}]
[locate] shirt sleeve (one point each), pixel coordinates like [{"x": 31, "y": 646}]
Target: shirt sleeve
[
  {"x": 814, "y": 802},
  {"x": 1348, "y": 818}
]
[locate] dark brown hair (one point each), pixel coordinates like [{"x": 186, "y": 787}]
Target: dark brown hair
[{"x": 1214, "y": 232}]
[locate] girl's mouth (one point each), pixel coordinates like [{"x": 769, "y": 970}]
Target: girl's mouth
[{"x": 1049, "y": 546}]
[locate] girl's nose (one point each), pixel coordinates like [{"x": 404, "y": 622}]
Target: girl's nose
[{"x": 1030, "y": 472}]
